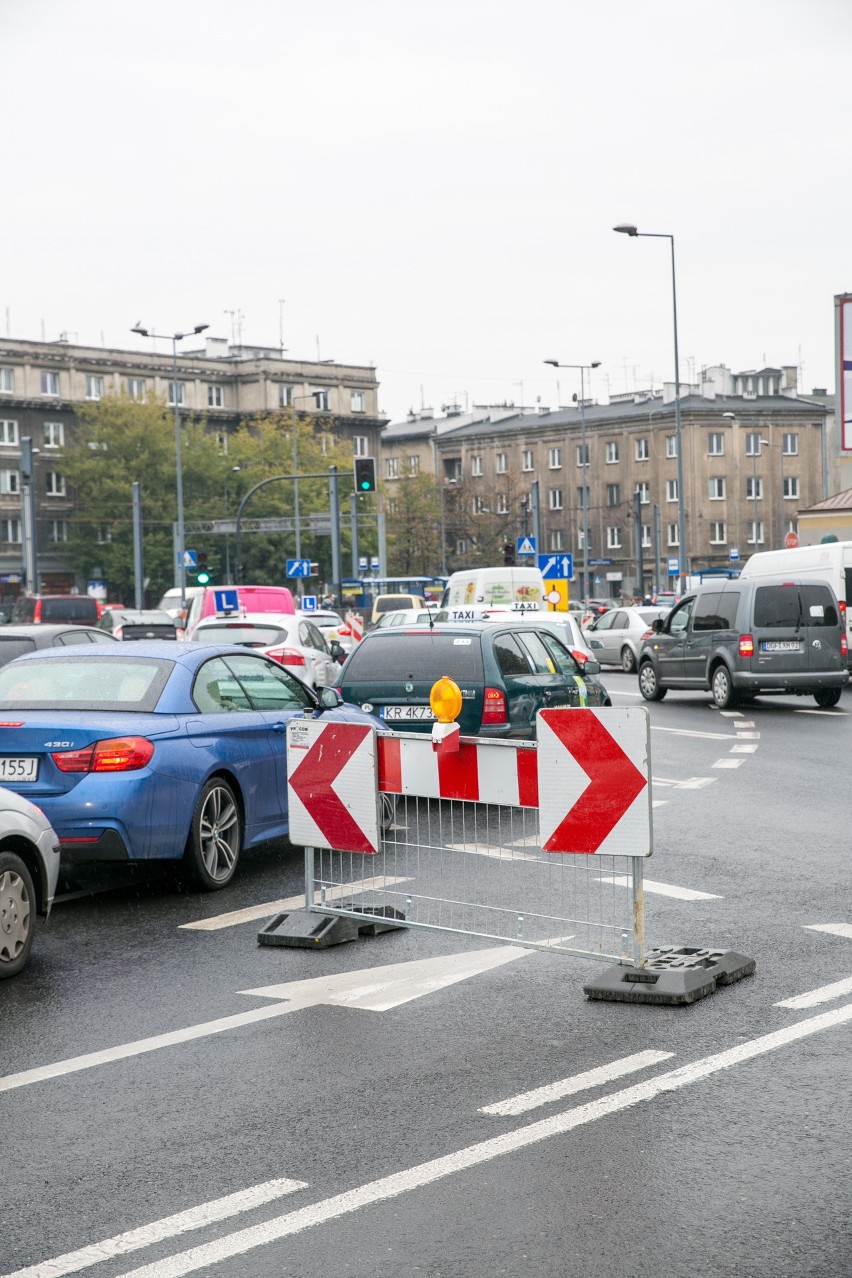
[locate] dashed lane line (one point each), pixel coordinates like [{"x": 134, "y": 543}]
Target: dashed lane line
[
  {"x": 267, "y": 908},
  {"x": 833, "y": 929},
  {"x": 526, "y": 1101},
  {"x": 824, "y": 994},
  {"x": 663, "y": 889},
  {"x": 728, "y": 763}
]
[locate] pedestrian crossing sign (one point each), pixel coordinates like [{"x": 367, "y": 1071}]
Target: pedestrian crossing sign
[{"x": 526, "y": 546}]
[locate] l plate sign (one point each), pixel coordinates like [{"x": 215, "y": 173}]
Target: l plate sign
[{"x": 594, "y": 769}]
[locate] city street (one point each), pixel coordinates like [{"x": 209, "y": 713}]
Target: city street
[{"x": 161, "y": 1120}]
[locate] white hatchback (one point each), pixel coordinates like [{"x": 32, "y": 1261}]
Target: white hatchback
[
  {"x": 293, "y": 641},
  {"x": 29, "y": 868}
]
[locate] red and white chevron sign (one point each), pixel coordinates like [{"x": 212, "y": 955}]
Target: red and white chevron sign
[
  {"x": 593, "y": 778},
  {"x": 479, "y": 771},
  {"x": 332, "y": 785}
]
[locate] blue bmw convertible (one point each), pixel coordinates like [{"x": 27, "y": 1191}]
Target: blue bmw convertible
[{"x": 155, "y": 751}]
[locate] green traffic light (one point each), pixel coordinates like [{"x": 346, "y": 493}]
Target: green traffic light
[{"x": 203, "y": 578}]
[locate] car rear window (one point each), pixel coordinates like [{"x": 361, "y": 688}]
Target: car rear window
[
  {"x": 415, "y": 656},
  {"x": 794, "y": 605},
  {"x": 252, "y": 636},
  {"x": 393, "y": 603},
  {"x": 84, "y": 683},
  {"x": 78, "y": 608},
  {"x": 13, "y": 647}
]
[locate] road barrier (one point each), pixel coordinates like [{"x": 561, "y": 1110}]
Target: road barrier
[{"x": 540, "y": 844}]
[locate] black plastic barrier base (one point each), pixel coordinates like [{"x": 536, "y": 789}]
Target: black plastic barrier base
[
  {"x": 672, "y": 975},
  {"x": 302, "y": 929}
]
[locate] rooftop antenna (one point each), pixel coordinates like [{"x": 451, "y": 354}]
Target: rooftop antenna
[
  {"x": 281, "y": 326},
  {"x": 319, "y": 360},
  {"x": 233, "y": 326},
  {"x": 8, "y": 322}
]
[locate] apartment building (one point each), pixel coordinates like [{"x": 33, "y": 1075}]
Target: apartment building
[
  {"x": 43, "y": 383},
  {"x": 755, "y": 451}
]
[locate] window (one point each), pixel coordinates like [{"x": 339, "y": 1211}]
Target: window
[
  {"x": 94, "y": 387},
  {"x": 582, "y": 455},
  {"x": 791, "y": 487},
  {"x": 554, "y": 499},
  {"x": 671, "y": 490},
  {"x": 755, "y": 533},
  {"x": 215, "y": 397},
  {"x": 10, "y": 482},
  {"x": 752, "y": 445},
  {"x": 392, "y": 468},
  {"x": 580, "y": 492},
  {"x": 357, "y": 402},
  {"x": 715, "y": 445},
  {"x": 581, "y": 538},
  {"x": 54, "y": 434},
  {"x": 452, "y": 469},
  {"x": 392, "y": 506},
  {"x": 502, "y": 504},
  {"x": 177, "y": 395},
  {"x": 613, "y": 538},
  {"x": 8, "y": 432},
  {"x": 612, "y": 451},
  {"x": 322, "y": 399},
  {"x": 50, "y": 383},
  {"x": 789, "y": 444},
  {"x": 501, "y": 464},
  {"x": 57, "y": 530},
  {"x": 717, "y": 488},
  {"x": 359, "y": 443},
  {"x": 646, "y": 536},
  {"x": 642, "y": 450},
  {"x": 717, "y": 532},
  {"x": 285, "y": 396},
  {"x": 527, "y": 459},
  {"x": 754, "y": 488},
  {"x": 672, "y": 536},
  {"x": 413, "y": 464},
  {"x": 555, "y": 539},
  {"x": 136, "y": 388},
  {"x": 644, "y": 491},
  {"x": 612, "y": 494},
  {"x": 461, "y": 545},
  {"x": 7, "y": 380},
  {"x": 476, "y": 465},
  {"x": 479, "y": 507},
  {"x": 10, "y": 531},
  {"x": 555, "y": 459},
  {"x": 103, "y": 534},
  {"x": 671, "y": 445},
  {"x": 54, "y": 484}
]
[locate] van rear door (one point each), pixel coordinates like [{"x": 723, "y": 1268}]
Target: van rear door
[
  {"x": 780, "y": 630},
  {"x": 823, "y": 620}
]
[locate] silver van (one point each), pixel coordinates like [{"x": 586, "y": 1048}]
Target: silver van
[{"x": 740, "y": 638}]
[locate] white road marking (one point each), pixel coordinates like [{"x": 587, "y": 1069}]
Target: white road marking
[
  {"x": 691, "y": 783},
  {"x": 833, "y": 929},
  {"x": 744, "y": 723},
  {"x": 729, "y": 714},
  {"x": 525, "y": 1101},
  {"x": 617, "y": 692},
  {"x": 659, "y": 803},
  {"x": 491, "y": 850},
  {"x": 663, "y": 889},
  {"x": 267, "y": 908},
  {"x": 689, "y": 732},
  {"x": 727, "y": 763},
  {"x": 375, "y": 988},
  {"x": 824, "y": 714},
  {"x": 747, "y": 747},
  {"x": 169, "y": 1227},
  {"x": 748, "y": 736},
  {"x": 824, "y": 994},
  {"x": 393, "y": 1186}
]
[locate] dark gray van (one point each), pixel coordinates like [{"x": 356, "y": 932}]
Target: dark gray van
[
  {"x": 73, "y": 610},
  {"x": 740, "y": 638}
]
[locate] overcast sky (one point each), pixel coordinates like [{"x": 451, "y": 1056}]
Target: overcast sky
[{"x": 430, "y": 187}]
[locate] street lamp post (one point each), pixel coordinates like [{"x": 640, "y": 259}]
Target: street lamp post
[
  {"x": 625, "y": 228},
  {"x": 584, "y": 368},
  {"x": 181, "y": 536}
]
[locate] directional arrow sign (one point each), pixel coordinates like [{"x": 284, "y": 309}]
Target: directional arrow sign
[
  {"x": 593, "y": 781},
  {"x": 556, "y": 567},
  {"x": 333, "y": 785},
  {"x": 298, "y": 567}
]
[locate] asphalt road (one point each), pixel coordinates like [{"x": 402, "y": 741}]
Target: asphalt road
[{"x": 716, "y": 1141}]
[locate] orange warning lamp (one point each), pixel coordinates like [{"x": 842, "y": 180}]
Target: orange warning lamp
[{"x": 445, "y": 700}]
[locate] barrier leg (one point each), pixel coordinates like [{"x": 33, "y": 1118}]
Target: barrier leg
[{"x": 637, "y": 891}]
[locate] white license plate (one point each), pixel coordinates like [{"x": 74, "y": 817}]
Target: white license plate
[
  {"x": 780, "y": 645},
  {"x": 24, "y": 769},
  {"x": 408, "y": 713}
]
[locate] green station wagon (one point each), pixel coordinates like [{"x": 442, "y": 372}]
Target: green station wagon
[{"x": 507, "y": 672}]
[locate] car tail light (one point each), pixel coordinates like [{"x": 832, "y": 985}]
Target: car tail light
[
  {"x": 118, "y": 632},
  {"x": 580, "y": 656},
  {"x": 287, "y": 656},
  {"x": 841, "y": 603},
  {"x": 37, "y": 611},
  {"x": 494, "y": 706},
  {"x": 344, "y": 630},
  {"x": 844, "y": 646},
  {"x": 746, "y": 648},
  {"x": 118, "y": 754},
  {"x": 649, "y": 634}
]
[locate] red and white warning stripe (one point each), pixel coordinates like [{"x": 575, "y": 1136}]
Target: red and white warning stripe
[
  {"x": 355, "y": 622},
  {"x": 499, "y": 772}
]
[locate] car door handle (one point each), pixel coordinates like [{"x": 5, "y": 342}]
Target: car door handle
[{"x": 279, "y": 727}]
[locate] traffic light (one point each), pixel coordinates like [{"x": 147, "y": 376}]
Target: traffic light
[
  {"x": 202, "y": 575},
  {"x": 365, "y": 475},
  {"x": 508, "y": 554}
]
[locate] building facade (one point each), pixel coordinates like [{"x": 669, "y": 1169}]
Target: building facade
[{"x": 43, "y": 383}]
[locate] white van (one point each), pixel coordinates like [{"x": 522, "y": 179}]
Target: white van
[
  {"x": 476, "y": 590},
  {"x": 830, "y": 561}
]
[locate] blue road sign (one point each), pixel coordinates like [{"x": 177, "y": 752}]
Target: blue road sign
[
  {"x": 227, "y": 600},
  {"x": 556, "y": 567},
  {"x": 525, "y": 546},
  {"x": 733, "y": 554},
  {"x": 309, "y": 603},
  {"x": 673, "y": 567},
  {"x": 190, "y": 559},
  {"x": 298, "y": 567}
]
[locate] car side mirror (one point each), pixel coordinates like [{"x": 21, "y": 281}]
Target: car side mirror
[
  {"x": 329, "y": 698},
  {"x": 591, "y": 667},
  {"x": 595, "y": 643},
  {"x": 657, "y": 625},
  {"x": 337, "y": 651}
]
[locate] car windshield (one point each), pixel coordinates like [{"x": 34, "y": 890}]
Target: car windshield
[
  {"x": 84, "y": 683},
  {"x": 13, "y": 646},
  {"x": 416, "y": 656},
  {"x": 247, "y": 635}
]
